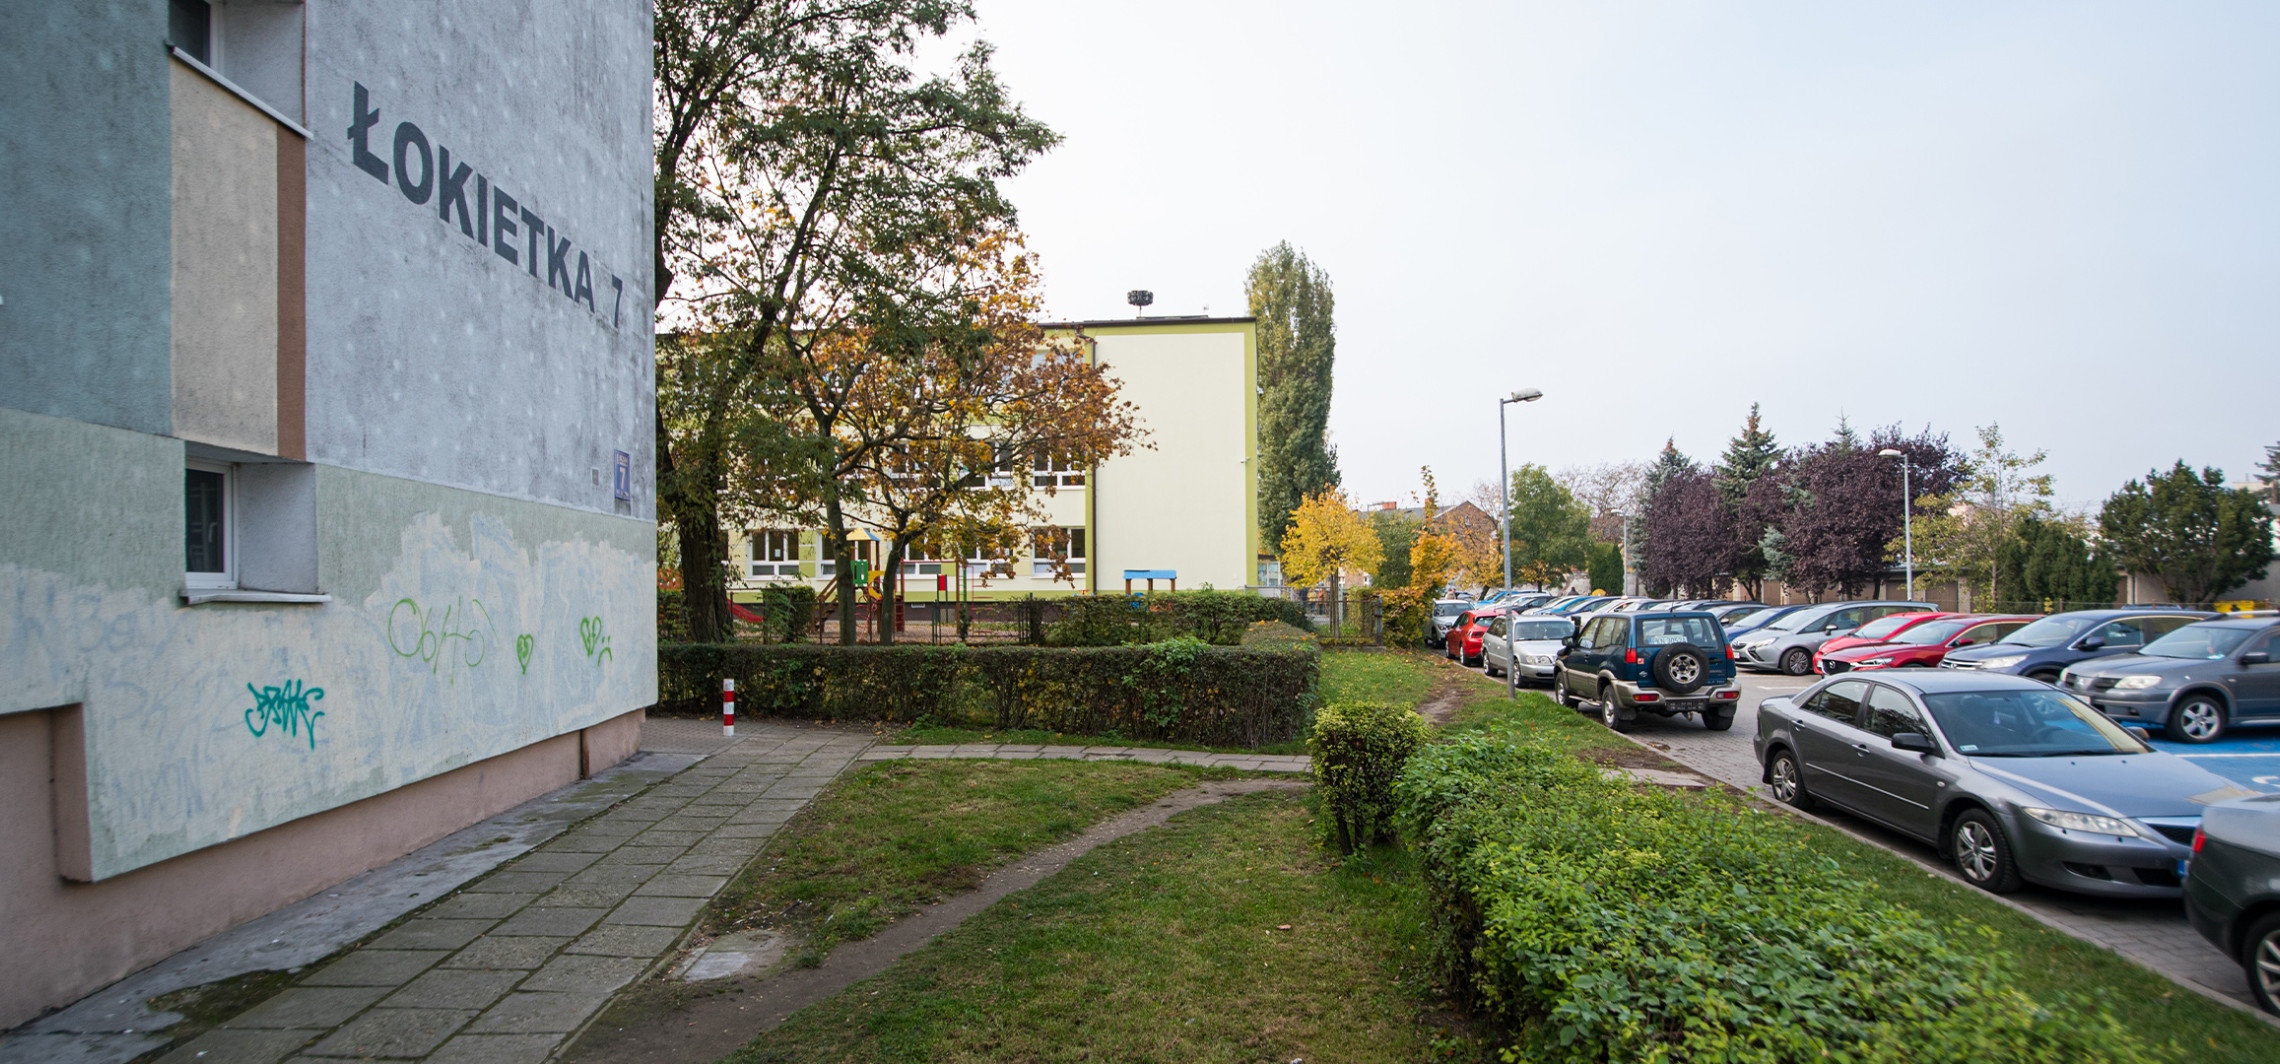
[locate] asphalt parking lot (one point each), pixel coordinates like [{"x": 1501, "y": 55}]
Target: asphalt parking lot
[{"x": 2153, "y": 933}]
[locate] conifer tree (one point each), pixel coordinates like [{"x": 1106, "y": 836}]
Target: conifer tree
[{"x": 1750, "y": 457}]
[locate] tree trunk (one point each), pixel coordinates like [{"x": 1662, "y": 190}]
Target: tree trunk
[
  {"x": 843, "y": 553},
  {"x": 1336, "y": 627},
  {"x": 887, "y": 602},
  {"x": 704, "y": 575}
]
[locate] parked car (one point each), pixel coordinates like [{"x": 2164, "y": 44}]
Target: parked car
[
  {"x": 1445, "y": 613},
  {"x": 1579, "y": 604},
  {"x": 1787, "y": 644},
  {"x": 1729, "y": 612},
  {"x": 2045, "y": 648},
  {"x": 1921, "y": 646},
  {"x": 1522, "y": 600},
  {"x": 1533, "y": 642},
  {"x": 1667, "y": 664},
  {"x": 2013, "y": 780},
  {"x": 1738, "y": 626},
  {"x": 2194, "y": 683},
  {"x": 2232, "y": 889},
  {"x": 1463, "y": 642},
  {"x": 1881, "y": 630}
]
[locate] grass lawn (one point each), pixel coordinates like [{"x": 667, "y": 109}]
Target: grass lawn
[
  {"x": 1226, "y": 935},
  {"x": 894, "y": 835}
]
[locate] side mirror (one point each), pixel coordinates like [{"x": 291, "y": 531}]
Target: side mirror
[
  {"x": 1914, "y": 742},
  {"x": 2093, "y": 642},
  {"x": 2140, "y": 734},
  {"x": 2256, "y": 657},
  {"x": 1961, "y": 643}
]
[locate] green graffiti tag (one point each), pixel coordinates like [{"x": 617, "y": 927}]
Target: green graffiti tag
[
  {"x": 285, "y": 708},
  {"x": 597, "y": 644},
  {"x": 524, "y": 644},
  {"x": 426, "y": 633}
]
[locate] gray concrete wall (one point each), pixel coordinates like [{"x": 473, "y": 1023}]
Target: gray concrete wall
[
  {"x": 436, "y": 355},
  {"x": 83, "y": 135}
]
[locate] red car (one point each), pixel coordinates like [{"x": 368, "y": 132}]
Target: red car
[
  {"x": 1463, "y": 644},
  {"x": 1923, "y": 646},
  {"x": 1881, "y": 630}
]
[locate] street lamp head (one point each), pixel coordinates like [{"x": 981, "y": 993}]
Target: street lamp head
[
  {"x": 1525, "y": 395},
  {"x": 1890, "y": 453}
]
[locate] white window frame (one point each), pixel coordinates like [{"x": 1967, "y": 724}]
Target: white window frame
[
  {"x": 772, "y": 552},
  {"x": 1056, "y": 471},
  {"x": 227, "y": 579},
  {"x": 1041, "y": 564}
]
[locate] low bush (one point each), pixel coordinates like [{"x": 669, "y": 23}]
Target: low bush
[
  {"x": 1216, "y": 617},
  {"x": 1358, "y": 749},
  {"x": 1591, "y": 921},
  {"x": 1179, "y": 690}
]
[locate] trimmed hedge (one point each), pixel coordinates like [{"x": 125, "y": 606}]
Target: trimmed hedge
[
  {"x": 1216, "y": 617},
  {"x": 1180, "y": 690},
  {"x": 1358, "y": 749},
  {"x": 1595, "y": 921}
]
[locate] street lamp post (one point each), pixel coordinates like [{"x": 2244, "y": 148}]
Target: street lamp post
[
  {"x": 1907, "y": 517},
  {"x": 1504, "y": 485}
]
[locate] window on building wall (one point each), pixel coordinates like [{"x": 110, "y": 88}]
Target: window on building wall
[
  {"x": 1053, "y": 469},
  {"x": 774, "y": 552},
  {"x": 1047, "y": 545},
  {"x": 865, "y": 551},
  {"x": 190, "y": 27},
  {"x": 988, "y": 560},
  {"x": 211, "y": 542}
]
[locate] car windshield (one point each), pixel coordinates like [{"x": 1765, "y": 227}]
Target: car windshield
[
  {"x": 1525, "y": 630},
  {"x": 1664, "y": 631},
  {"x": 1448, "y": 609},
  {"x": 2208, "y": 641},
  {"x": 1798, "y": 620},
  {"x": 1931, "y": 632},
  {"x": 2023, "y": 723},
  {"x": 1733, "y": 615},
  {"x": 1884, "y": 627},
  {"x": 2049, "y": 632}
]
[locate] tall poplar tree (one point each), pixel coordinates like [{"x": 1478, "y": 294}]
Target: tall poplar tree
[{"x": 1290, "y": 296}]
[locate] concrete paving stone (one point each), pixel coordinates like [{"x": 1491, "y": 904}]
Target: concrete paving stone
[
  {"x": 580, "y": 973},
  {"x": 795, "y": 791},
  {"x": 927, "y": 754},
  {"x": 524, "y": 882},
  {"x": 717, "y": 865},
  {"x": 393, "y": 1033},
  {"x": 454, "y": 988},
  {"x": 426, "y": 933},
  {"x": 672, "y": 886},
  {"x": 758, "y": 829},
  {"x": 496, "y": 1049},
  {"x": 679, "y": 837},
  {"x": 559, "y": 922},
  {"x": 225, "y": 1046},
  {"x": 505, "y": 953},
  {"x": 552, "y": 861},
  {"x": 1020, "y": 755},
  {"x": 318, "y": 1007},
  {"x": 534, "y": 1013},
  {"x": 883, "y": 755},
  {"x": 627, "y": 876},
  {"x": 657, "y": 912},
  {"x": 1156, "y": 756},
  {"x": 626, "y": 940},
  {"x": 1062, "y": 751},
  {"x": 376, "y": 967},
  {"x": 718, "y": 845},
  {"x": 771, "y": 807},
  {"x": 641, "y": 855},
  {"x": 974, "y": 750},
  {"x": 477, "y": 905},
  {"x": 704, "y": 821},
  {"x": 588, "y": 897}
]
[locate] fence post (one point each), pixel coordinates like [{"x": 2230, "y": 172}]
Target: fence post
[{"x": 728, "y": 706}]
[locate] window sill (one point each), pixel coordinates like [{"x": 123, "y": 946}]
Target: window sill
[{"x": 196, "y": 596}]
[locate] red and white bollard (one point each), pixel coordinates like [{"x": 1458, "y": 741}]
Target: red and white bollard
[{"x": 728, "y": 707}]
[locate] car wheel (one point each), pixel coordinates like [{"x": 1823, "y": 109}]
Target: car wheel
[
  {"x": 2198, "y": 719},
  {"x": 2260, "y": 961},
  {"x": 1718, "y": 721},
  {"x": 1981, "y": 852},
  {"x": 2049, "y": 676},
  {"x": 1566, "y": 695},
  {"x": 1610, "y": 714},
  {"x": 1797, "y": 661},
  {"x": 1786, "y": 780}
]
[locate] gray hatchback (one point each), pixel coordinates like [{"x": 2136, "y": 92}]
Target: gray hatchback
[
  {"x": 2014, "y": 780},
  {"x": 2195, "y": 682}
]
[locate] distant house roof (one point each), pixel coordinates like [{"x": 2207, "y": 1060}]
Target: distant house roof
[{"x": 1463, "y": 513}]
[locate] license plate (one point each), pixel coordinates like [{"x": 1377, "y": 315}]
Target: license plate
[{"x": 2183, "y": 866}]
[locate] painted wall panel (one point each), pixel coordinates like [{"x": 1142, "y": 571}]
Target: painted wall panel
[
  {"x": 478, "y": 245},
  {"x": 83, "y": 138},
  {"x": 225, "y": 267},
  {"x": 1184, "y": 505}
]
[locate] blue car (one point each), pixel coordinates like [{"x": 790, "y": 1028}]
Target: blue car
[
  {"x": 2043, "y": 650},
  {"x": 1664, "y": 663}
]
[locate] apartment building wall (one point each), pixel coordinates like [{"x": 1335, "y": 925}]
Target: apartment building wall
[{"x": 440, "y": 600}]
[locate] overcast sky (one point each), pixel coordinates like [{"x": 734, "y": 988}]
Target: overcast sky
[{"x": 2058, "y": 216}]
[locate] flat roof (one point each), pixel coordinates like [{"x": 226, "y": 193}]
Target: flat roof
[{"x": 1169, "y": 319}]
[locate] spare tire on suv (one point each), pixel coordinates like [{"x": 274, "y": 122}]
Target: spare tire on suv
[{"x": 1681, "y": 668}]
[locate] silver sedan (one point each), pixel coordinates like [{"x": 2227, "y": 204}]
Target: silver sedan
[{"x": 1533, "y": 642}]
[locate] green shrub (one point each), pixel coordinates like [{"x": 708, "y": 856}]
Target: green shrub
[
  {"x": 672, "y": 625},
  {"x": 1595, "y": 921},
  {"x": 787, "y": 610},
  {"x": 1179, "y": 690},
  {"x": 1358, "y": 750},
  {"x": 1216, "y": 617}
]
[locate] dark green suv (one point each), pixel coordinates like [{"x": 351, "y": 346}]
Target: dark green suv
[{"x": 1667, "y": 664}]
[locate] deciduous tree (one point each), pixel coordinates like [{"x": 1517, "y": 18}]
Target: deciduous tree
[
  {"x": 1691, "y": 529},
  {"x": 1551, "y": 531},
  {"x": 1298, "y": 342},
  {"x": 1325, "y": 539},
  {"x": 2200, "y": 537},
  {"x": 1842, "y": 505},
  {"x": 1610, "y": 490},
  {"x": 1396, "y": 533}
]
